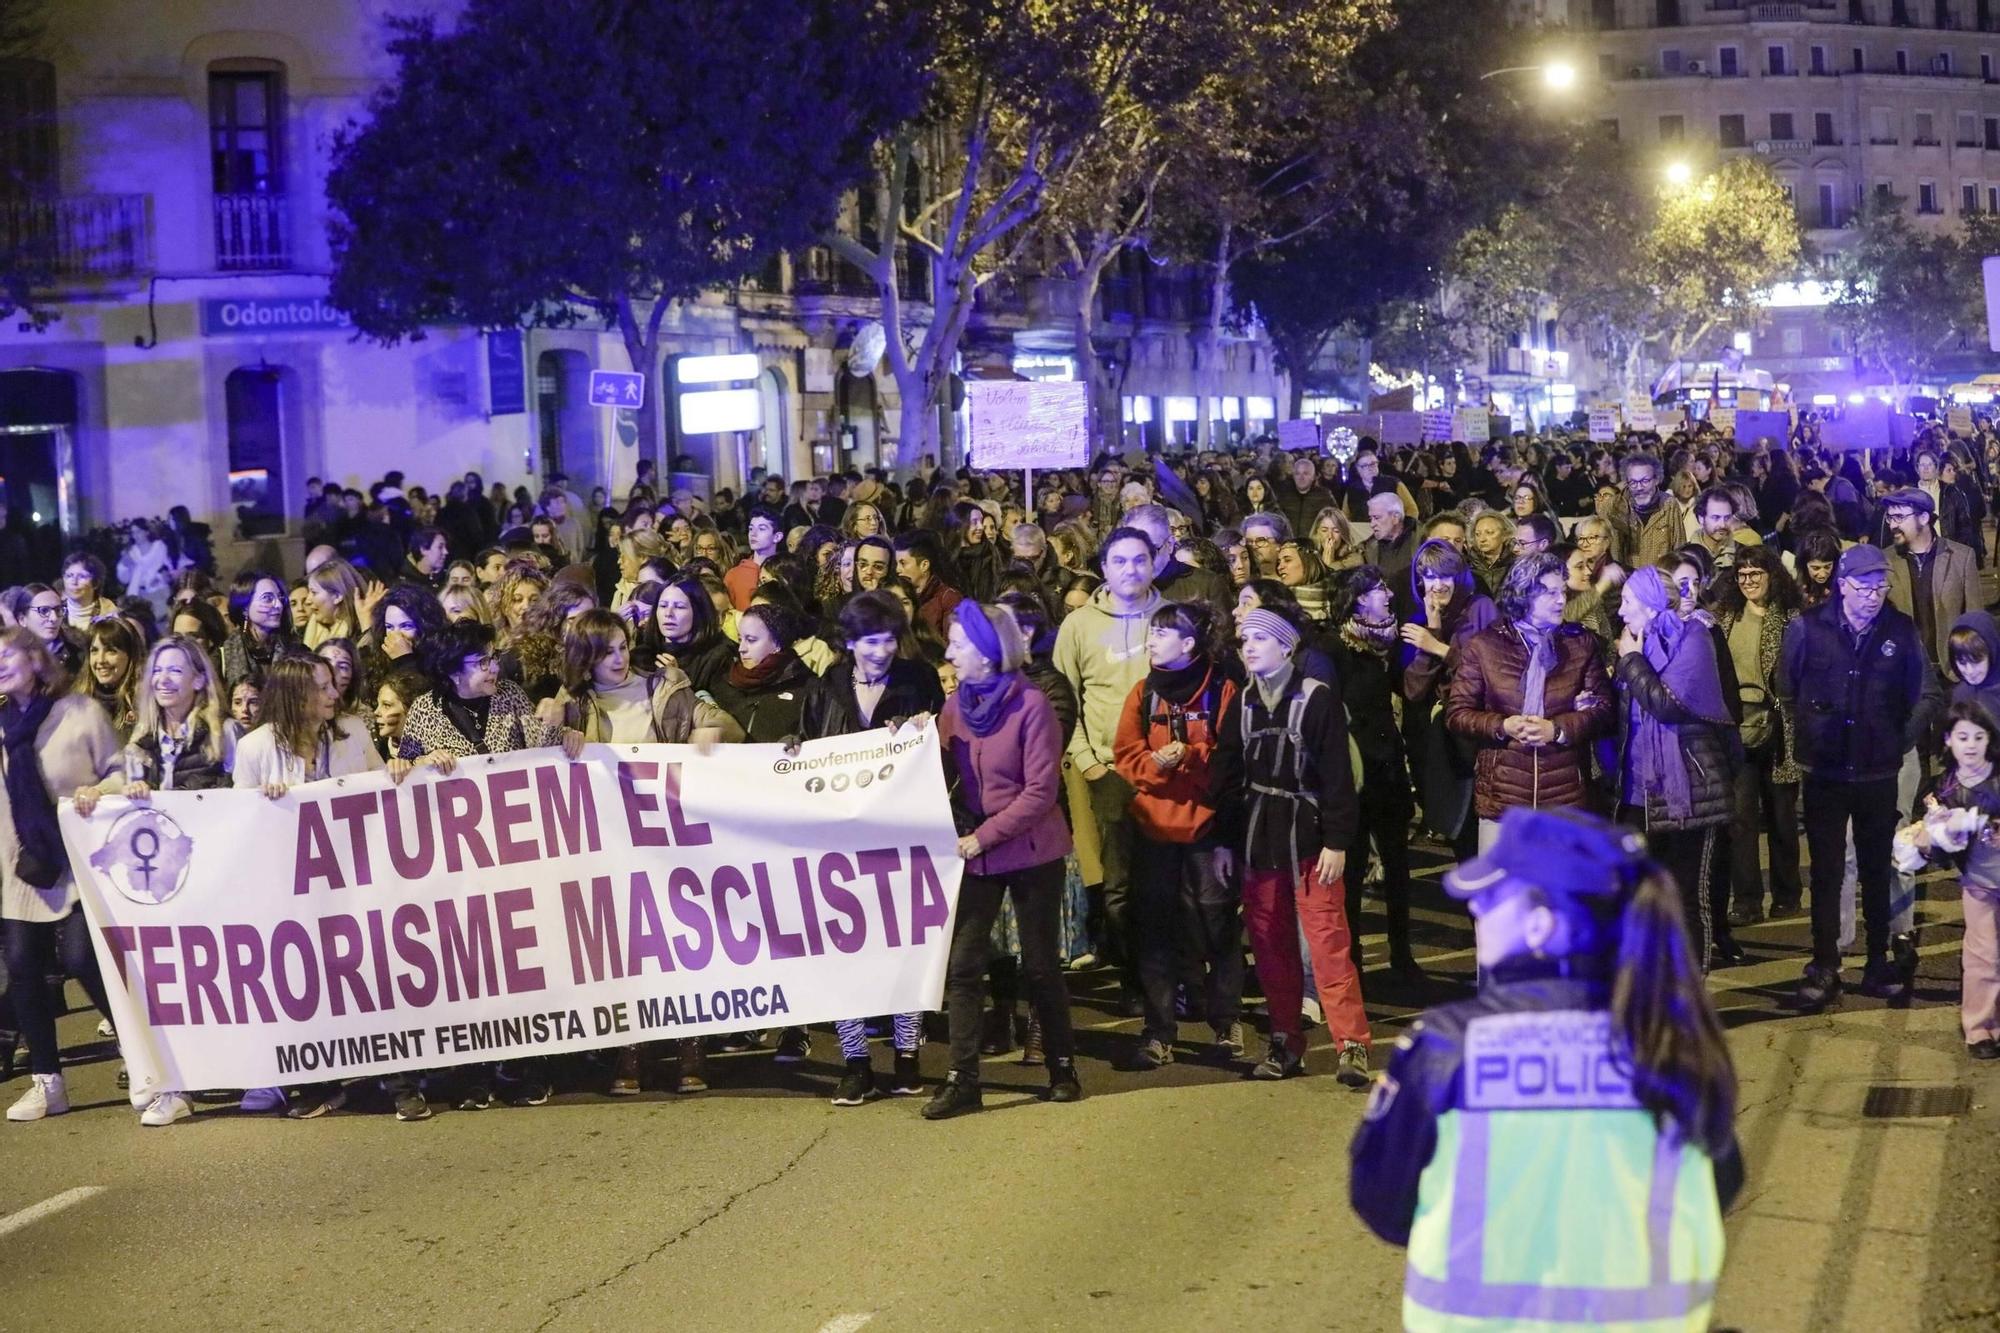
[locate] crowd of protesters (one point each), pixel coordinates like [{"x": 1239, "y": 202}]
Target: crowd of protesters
[{"x": 1191, "y": 707}]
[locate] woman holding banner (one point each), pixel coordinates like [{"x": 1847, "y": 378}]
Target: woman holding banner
[
  {"x": 1003, "y": 750},
  {"x": 874, "y": 687},
  {"x": 179, "y": 744},
  {"x": 470, "y": 711},
  {"x": 51, "y": 741},
  {"x": 302, "y": 739},
  {"x": 604, "y": 700}
]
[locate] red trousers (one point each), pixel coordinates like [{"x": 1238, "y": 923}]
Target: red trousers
[{"x": 1276, "y": 903}]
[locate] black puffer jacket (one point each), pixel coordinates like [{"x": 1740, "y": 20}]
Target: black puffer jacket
[{"x": 831, "y": 709}]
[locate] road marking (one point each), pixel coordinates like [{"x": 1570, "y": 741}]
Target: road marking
[
  {"x": 34, "y": 1213},
  {"x": 846, "y": 1323}
]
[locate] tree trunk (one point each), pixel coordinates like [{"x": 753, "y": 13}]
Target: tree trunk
[
  {"x": 1210, "y": 342},
  {"x": 1107, "y": 425}
]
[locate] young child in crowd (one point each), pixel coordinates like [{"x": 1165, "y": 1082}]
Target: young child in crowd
[{"x": 1961, "y": 827}]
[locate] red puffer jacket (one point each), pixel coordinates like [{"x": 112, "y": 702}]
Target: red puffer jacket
[{"x": 1486, "y": 691}]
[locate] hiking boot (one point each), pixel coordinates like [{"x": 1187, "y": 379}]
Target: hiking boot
[
  {"x": 857, "y": 1085},
  {"x": 908, "y": 1080},
  {"x": 958, "y": 1095},
  {"x": 1153, "y": 1054},
  {"x": 625, "y": 1078},
  {"x": 1353, "y": 1069},
  {"x": 1819, "y": 988},
  {"x": 1064, "y": 1085},
  {"x": 1281, "y": 1061},
  {"x": 693, "y": 1068},
  {"x": 1031, "y": 1045}
]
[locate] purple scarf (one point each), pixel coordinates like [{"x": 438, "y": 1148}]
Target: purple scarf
[{"x": 1682, "y": 653}]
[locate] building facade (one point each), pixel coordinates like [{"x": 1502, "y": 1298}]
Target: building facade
[
  {"x": 1843, "y": 101},
  {"x": 173, "y": 160}
]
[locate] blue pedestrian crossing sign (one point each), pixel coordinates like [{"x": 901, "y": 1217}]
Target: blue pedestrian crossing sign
[{"x": 617, "y": 388}]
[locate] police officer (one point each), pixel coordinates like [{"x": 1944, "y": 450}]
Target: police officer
[{"x": 1557, "y": 1152}]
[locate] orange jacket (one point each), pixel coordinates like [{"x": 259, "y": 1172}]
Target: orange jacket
[
  {"x": 741, "y": 581},
  {"x": 1172, "y": 805}
]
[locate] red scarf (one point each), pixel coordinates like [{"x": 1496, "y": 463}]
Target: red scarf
[{"x": 756, "y": 677}]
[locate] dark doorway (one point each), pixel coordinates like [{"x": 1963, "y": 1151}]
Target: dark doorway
[
  {"x": 254, "y": 399},
  {"x": 38, "y": 420}
]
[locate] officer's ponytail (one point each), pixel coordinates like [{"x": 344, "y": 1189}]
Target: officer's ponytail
[{"x": 1681, "y": 1068}]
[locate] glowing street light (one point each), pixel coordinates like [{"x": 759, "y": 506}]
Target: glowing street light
[
  {"x": 1558, "y": 76},
  {"x": 1679, "y": 173}
]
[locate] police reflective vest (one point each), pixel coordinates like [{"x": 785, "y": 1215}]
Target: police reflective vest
[{"x": 1504, "y": 1147}]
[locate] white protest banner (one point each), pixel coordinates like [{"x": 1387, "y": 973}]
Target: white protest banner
[
  {"x": 1302, "y": 433},
  {"x": 1603, "y": 423},
  {"x": 1471, "y": 425},
  {"x": 1959, "y": 421},
  {"x": 1404, "y": 427},
  {"x": 1723, "y": 419},
  {"x": 1437, "y": 425},
  {"x": 1639, "y": 413},
  {"x": 523, "y": 905},
  {"x": 1028, "y": 423}
]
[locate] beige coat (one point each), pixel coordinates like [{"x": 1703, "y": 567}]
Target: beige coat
[{"x": 76, "y": 747}]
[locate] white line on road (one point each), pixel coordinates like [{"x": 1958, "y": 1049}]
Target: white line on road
[
  {"x": 846, "y": 1323},
  {"x": 36, "y": 1212}
]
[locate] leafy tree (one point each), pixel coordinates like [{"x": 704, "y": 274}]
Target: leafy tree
[
  {"x": 1694, "y": 262},
  {"x": 527, "y": 169},
  {"x": 1904, "y": 295},
  {"x": 27, "y": 256}
]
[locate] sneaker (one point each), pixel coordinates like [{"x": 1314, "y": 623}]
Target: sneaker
[
  {"x": 478, "y": 1097},
  {"x": 857, "y": 1086},
  {"x": 1154, "y": 1054},
  {"x": 1229, "y": 1041},
  {"x": 410, "y": 1104},
  {"x": 1281, "y": 1061},
  {"x": 794, "y": 1046},
  {"x": 524, "y": 1084},
  {"x": 908, "y": 1080},
  {"x": 1353, "y": 1069},
  {"x": 315, "y": 1103},
  {"x": 1817, "y": 989},
  {"x": 45, "y": 1096},
  {"x": 625, "y": 1078},
  {"x": 733, "y": 1043},
  {"x": 104, "y": 1028},
  {"x": 1309, "y": 1006},
  {"x": 263, "y": 1101},
  {"x": 957, "y": 1095},
  {"x": 124, "y": 1079},
  {"x": 164, "y": 1110},
  {"x": 1063, "y": 1083},
  {"x": 1884, "y": 980},
  {"x": 1989, "y": 1049}
]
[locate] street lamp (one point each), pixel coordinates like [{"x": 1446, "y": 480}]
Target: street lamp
[
  {"x": 1679, "y": 173},
  {"x": 1558, "y": 76}
]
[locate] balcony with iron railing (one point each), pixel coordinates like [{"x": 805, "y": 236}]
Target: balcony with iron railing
[
  {"x": 252, "y": 231},
  {"x": 80, "y": 237}
]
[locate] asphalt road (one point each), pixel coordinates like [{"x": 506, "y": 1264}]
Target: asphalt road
[{"x": 1183, "y": 1199}]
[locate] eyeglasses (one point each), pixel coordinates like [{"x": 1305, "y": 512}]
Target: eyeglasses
[
  {"x": 1745, "y": 575},
  {"x": 50, "y": 611},
  {"x": 1865, "y": 589}
]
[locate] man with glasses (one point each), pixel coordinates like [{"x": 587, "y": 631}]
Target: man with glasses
[
  {"x": 1932, "y": 580},
  {"x": 1652, "y": 520},
  {"x": 1862, "y": 694}
]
